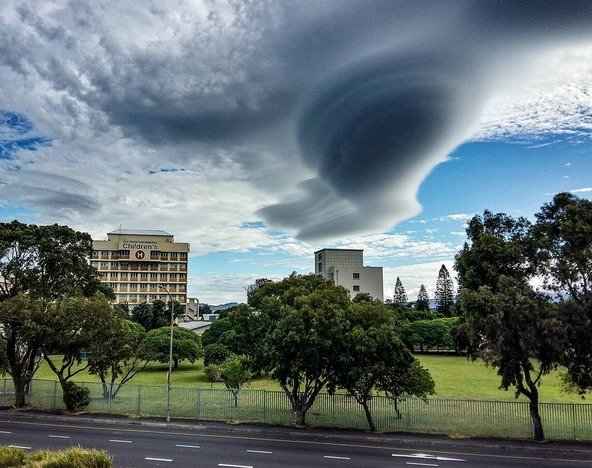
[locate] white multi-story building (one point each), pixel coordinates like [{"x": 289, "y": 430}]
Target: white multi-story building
[
  {"x": 135, "y": 262},
  {"x": 345, "y": 267}
]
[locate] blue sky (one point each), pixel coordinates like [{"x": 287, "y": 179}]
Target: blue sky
[{"x": 260, "y": 134}]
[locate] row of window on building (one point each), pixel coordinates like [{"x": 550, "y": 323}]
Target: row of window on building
[
  {"x": 140, "y": 298},
  {"x": 137, "y": 266},
  {"x": 134, "y": 276},
  {"x": 154, "y": 254},
  {"x": 143, "y": 287}
]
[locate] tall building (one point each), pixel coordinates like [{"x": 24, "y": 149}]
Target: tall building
[
  {"x": 345, "y": 267},
  {"x": 135, "y": 262}
]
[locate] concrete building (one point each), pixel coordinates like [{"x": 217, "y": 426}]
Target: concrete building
[
  {"x": 135, "y": 262},
  {"x": 345, "y": 267}
]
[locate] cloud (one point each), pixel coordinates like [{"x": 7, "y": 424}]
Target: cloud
[
  {"x": 582, "y": 190},
  {"x": 316, "y": 119},
  {"x": 455, "y": 217}
]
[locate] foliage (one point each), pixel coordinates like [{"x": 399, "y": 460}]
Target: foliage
[
  {"x": 429, "y": 334},
  {"x": 372, "y": 349},
  {"x": 233, "y": 373},
  {"x": 186, "y": 345},
  {"x": 72, "y": 326},
  {"x": 563, "y": 237},
  {"x": 508, "y": 325},
  {"x": 304, "y": 323},
  {"x": 423, "y": 300},
  {"x": 444, "y": 292},
  {"x": 116, "y": 356},
  {"x": 48, "y": 264},
  {"x": 408, "y": 314},
  {"x": 399, "y": 296},
  {"x": 76, "y": 397},
  {"x": 74, "y": 457},
  {"x": 215, "y": 353},
  {"x": 155, "y": 315}
]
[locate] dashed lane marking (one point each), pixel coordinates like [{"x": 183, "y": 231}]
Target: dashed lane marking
[
  {"x": 5, "y": 432},
  {"x": 427, "y": 456},
  {"x": 187, "y": 446},
  {"x": 259, "y": 451},
  {"x": 235, "y": 466},
  {"x": 117, "y": 441},
  {"x": 336, "y": 458},
  {"x": 422, "y": 464},
  {"x": 21, "y": 447},
  {"x": 159, "y": 459},
  {"x": 58, "y": 437}
]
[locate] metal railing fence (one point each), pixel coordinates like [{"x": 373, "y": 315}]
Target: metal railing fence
[{"x": 476, "y": 418}]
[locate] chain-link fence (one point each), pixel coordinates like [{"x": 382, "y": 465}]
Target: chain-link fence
[{"x": 508, "y": 419}]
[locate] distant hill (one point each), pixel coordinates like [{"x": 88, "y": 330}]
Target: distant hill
[{"x": 219, "y": 307}]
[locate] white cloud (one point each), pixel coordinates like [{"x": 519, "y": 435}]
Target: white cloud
[{"x": 455, "y": 217}]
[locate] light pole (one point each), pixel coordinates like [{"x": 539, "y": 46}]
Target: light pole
[{"x": 169, "y": 375}]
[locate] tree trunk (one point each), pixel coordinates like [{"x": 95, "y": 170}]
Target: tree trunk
[
  {"x": 20, "y": 390},
  {"x": 368, "y": 415},
  {"x": 537, "y": 424},
  {"x": 300, "y": 416},
  {"x": 175, "y": 363},
  {"x": 235, "y": 395}
]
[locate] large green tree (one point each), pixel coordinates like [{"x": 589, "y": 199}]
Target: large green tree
[
  {"x": 371, "y": 350},
  {"x": 48, "y": 264},
  {"x": 399, "y": 296},
  {"x": 305, "y": 325},
  {"x": 116, "y": 358},
  {"x": 74, "y": 325},
  {"x": 423, "y": 300},
  {"x": 156, "y": 346},
  {"x": 509, "y": 326},
  {"x": 563, "y": 236}
]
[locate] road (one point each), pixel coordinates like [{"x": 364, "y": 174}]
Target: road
[{"x": 137, "y": 444}]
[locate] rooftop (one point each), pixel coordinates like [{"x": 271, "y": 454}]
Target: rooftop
[{"x": 140, "y": 232}]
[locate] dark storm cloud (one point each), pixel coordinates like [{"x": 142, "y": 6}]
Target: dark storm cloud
[{"x": 369, "y": 96}]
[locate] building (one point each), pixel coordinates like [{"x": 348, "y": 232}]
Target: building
[
  {"x": 135, "y": 262},
  {"x": 345, "y": 267}
]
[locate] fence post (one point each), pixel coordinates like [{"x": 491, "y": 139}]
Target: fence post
[
  {"x": 139, "y": 408},
  {"x": 110, "y": 407},
  {"x": 265, "y": 405},
  {"x": 4, "y": 393},
  {"x": 198, "y": 403},
  {"x": 55, "y": 395}
]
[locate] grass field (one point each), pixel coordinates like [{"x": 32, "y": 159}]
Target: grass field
[{"x": 455, "y": 377}]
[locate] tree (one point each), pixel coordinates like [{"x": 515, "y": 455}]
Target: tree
[
  {"x": 400, "y": 296},
  {"x": 563, "y": 237},
  {"x": 303, "y": 325},
  {"x": 70, "y": 327},
  {"x": 48, "y": 264},
  {"x": 509, "y": 326},
  {"x": 233, "y": 373},
  {"x": 405, "y": 379},
  {"x": 155, "y": 315},
  {"x": 435, "y": 333},
  {"x": 372, "y": 350},
  {"x": 117, "y": 357},
  {"x": 423, "y": 300},
  {"x": 444, "y": 292},
  {"x": 186, "y": 346}
]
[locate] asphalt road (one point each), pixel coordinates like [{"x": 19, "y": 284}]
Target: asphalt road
[{"x": 137, "y": 443}]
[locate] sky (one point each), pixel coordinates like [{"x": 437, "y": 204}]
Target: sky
[{"x": 262, "y": 131}]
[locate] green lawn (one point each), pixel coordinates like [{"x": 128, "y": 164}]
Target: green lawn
[{"x": 455, "y": 377}]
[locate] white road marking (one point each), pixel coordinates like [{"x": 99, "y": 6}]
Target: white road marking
[
  {"x": 159, "y": 459},
  {"x": 120, "y": 441},
  {"x": 426, "y": 456},
  {"x": 422, "y": 464},
  {"x": 258, "y": 451},
  {"x": 20, "y": 446},
  {"x": 187, "y": 446},
  {"x": 337, "y": 458},
  {"x": 58, "y": 437},
  {"x": 235, "y": 466},
  {"x": 5, "y": 432}
]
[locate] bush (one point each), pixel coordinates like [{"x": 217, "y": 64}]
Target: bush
[
  {"x": 11, "y": 456},
  {"x": 215, "y": 354},
  {"x": 75, "y": 457},
  {"x": 76, "y": 397}
]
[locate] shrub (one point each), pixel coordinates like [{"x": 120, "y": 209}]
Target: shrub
[
  {"x": 11, "y": 456},
  {"x": 215, "y": 354},
  {"x": 76, "y": 397}
]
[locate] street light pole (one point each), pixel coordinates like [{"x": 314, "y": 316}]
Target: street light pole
[{"x": 169, "y": 375}]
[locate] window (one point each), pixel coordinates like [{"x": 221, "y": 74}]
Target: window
[
  {"x": 183, "y": 255},
  {"x": 356, "y": 288},
  {"x": 356, "y": 276},
  {"x": 320, "y": 256},
  {"x": 153, "y": 276},
  {"x": 112, "y": 275},
  {"x": 173, "y": 255},
  {"x": 133, "y": 275},
  {"x": 143, "y": 275},
  {"x": 320, "y": 266}
]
